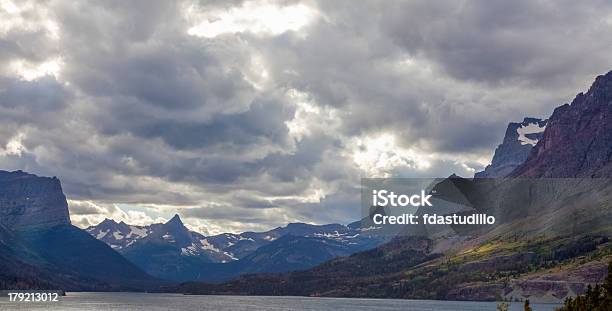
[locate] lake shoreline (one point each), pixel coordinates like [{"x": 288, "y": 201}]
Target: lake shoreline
[{"x": 140, "y": 301}]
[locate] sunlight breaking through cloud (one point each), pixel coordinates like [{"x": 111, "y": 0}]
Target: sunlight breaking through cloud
[
  {"x": 254, "y": 17},
  {"x": 379, "y": 156}
]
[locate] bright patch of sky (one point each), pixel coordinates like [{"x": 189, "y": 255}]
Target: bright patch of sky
[
  {"x": 256, "y": 17},
  {"x": 14, "y": 146},
  {"x": 28, "y": 71},
  {"x": 378, "y": 156}
]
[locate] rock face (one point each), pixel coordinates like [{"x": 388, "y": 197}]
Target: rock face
[
  {"x": 28, "y": 201},
  {"x": 547, "y": 286},
  {"x": 40, "y": 248},
  {"x": 578, "y": 139},
  {"x": 554, "y": 286},
  {"x": 515, "y": 148}
]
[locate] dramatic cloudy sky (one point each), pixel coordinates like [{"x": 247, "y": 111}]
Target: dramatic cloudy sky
[{"x": 245, "y": 115}]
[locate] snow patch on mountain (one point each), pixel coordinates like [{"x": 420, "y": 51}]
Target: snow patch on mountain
[
  {"x": 168, "y": 237},
  {"x": 531, "y": 128},
  {"x": 138, "y": 232},
  {"x": 189, "y": 251},
  {"x": 207, "y": 246},
  {"x": 519, "y": 139},
  {"x": 230, "y": 255},
  {"x": 102, "y": 234}
]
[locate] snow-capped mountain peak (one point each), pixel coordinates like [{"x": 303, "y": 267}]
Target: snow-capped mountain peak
[{"x": 117, "y": 235}]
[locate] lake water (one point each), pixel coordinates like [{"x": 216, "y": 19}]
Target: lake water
[{"x": 148, "y": 302}]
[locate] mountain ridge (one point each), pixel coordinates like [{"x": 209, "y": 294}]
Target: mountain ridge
[
  {"x": 519, "y": 139},
  {"x": 578, "y": 139},
  {"x": 193, "y": 256}
]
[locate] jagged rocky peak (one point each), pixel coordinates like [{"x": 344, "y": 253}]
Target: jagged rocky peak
[
  {"x": 176, "y": 220},
  {"x": 175, "y": 231},
  {"x": 108, "y": 222},
  {"x": 29, "y": 201},
  {"x": 112, "y": 225},
  {"x": 578, "y": 138},
  {"x": 518, "y": 141},
  {"x": 175, "y": 224},
  {"x": 118, "y": 235}
]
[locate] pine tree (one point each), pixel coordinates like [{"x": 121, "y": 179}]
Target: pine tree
[
  {"x": 598, "y": 298},
  {"x": 606, "y": 301}
]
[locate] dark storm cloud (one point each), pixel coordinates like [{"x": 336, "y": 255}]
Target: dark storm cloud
[
  {"x": 34, "y": 97},
  {"x": 262, "y": 123},
  {"x": 264, "y": 128},
  {"x": 495, "y": 41},
  {"x": 144, "y": 67}
]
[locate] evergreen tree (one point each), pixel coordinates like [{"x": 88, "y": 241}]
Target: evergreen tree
[
  {"x": 607, "y": 290},
  {"x": 598, "y": 298}
]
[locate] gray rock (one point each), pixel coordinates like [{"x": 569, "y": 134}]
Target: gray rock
[
  {"x": 578, "y": 139},
  {"x": 520, "y": 138},
  {"x": 28, "y": 201}
]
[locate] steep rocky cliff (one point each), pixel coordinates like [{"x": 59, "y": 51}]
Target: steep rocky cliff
[
  {"x": 28, "y": 201},
  {"x": 518, "y": 141},
  {"x": 578, "y": 139},
  {"x": 38, "y": 238}
]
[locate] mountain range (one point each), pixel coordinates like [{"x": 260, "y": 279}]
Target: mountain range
[
  {"x": 171, "y": 251},
  {"x": 554, "y": 209},
  {"x": 40, "y": 247},
  {"x": 547, "y": 185}
]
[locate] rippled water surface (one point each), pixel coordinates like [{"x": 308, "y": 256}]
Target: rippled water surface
[{"x": 142, "y": 301}]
